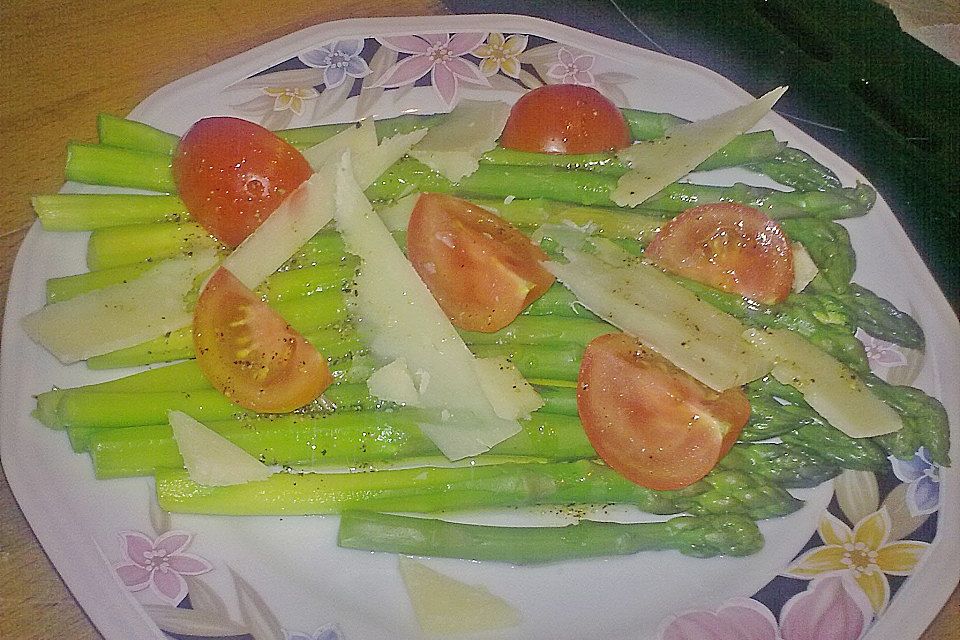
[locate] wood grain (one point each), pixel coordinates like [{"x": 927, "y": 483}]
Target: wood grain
[{"x": 60, "y": 64}]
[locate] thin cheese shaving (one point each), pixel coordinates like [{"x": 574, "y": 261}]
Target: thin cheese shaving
[
  {"x": 654, "y": 164},
  {"x": 400, "y": 318},
  {"x": 454, "y": 146},
  {"x": 120, "y": 315},
  {"x": 211, "y": 459}
]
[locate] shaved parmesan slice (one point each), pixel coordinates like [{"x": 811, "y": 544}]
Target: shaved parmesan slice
[
  {"x": 509, "y": 392},
  {"x": 654, "y": 164},
  {"x": 298, "y": 218},
  {"x": 804, "y": 268},
  {"x": 310, "y": 208},
  {"x": 121, "y": 315},
  {"x": 359, "y": 140},
  {"x": 400, "y": 318},
  {"x": 369, "y": 167},
  {"x": 828, "y": 385},
  {"x": 393, "y": 383},
  {"x": 646, "y": 303},
  {"x": 454, "y": 146},
  {"x": 211, "y": 459},
  {"x": 444, "y": 605}
]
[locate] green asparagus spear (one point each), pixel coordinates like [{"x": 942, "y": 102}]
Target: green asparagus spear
[
  {"x": 559, "y": 301},
  {"x": 828, "y": 244},
  {"x": 785, "y": 465},
  {"x": 752, "y": 147},
  {"x": 644, "y": 125},
  {"x": 735, "y": 491},
  {"x": 130, "y": 244},
  {"x": 66, "y": 287},
  {"x": 925, "y": 422},
  {"x": 881, "y": 319},
  {"x": 432, "y": 489},
  {"x": 340, "y": 439},
  {"x": 94, "y": 163},
  {"x": 89, "y": 211},
  {"x": 182, "y": 376},
  {"x": 561, "y": 361},
  {"x": 796, "y": 169},
  {"x": 88, "y": 416},
  {"x": 421, "y": 489},
  {"x": 533, "y": 330},
  {"x": 282, "y": 285},
  {"x": 320, "y": 319},
  {"x": 701, "y": 537},
  {"x": 593, "y": 189},
  {"x": 835, "y": 447},
  {"x": 559, "y": 400},
  {"x": 118, "y": 167},
  {"x": 607, "y": 222},
  {"x": 130, "y": 134},
  {"x": 775, "y": 409}
]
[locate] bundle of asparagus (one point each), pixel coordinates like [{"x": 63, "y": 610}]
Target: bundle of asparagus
[{"x": 123, "y": 423}]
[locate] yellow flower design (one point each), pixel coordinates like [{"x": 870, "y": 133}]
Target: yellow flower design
[
  {"x": 863, "y": 552},
  {"x": 290, "y": 98},
  {"x": 501, "y": 53}
]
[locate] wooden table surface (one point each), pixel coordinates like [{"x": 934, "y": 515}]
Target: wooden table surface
[{"x": 62, "y": 63}]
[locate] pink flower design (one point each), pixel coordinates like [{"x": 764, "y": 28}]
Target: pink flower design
[
  {"x": 880, "y": 352},
  {"x": 738, "y": 619},
  {"x": 828, "y": 610},
  {"x": 572, "y": 69},
  {"x": 440, "y": 55},
  {"x": 159, "y": 564}
]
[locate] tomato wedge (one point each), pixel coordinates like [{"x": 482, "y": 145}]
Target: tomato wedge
[
  {"x": 249, "y": 353},
  {"x": 565, "y": 118},
  {"x": 728, "y": 246},
  {"x": 232, "y": 174},
  {"x": 482, "y": 271},
  {"x": 650, "y": 421}
]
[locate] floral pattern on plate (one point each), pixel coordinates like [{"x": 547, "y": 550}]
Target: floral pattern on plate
[{"x": 360, "y": 70}]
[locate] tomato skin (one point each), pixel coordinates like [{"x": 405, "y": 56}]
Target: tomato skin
[
  {"x": 650, "y": 421},
  {"x": 481, "y": 270},
  {"x": 728, "y": 246},
  {"x": 250, "y": 354},
  {"x": 565, "y": 118},
  {"x": 232, "y": 174}
]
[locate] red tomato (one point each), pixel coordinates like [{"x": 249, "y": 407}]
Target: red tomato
[
  {"x": 650, "y": 421},
  {"x": 729, "y": 246},
  {"x": 248, "y": 352},
  {"x": 232, "y": 174},
  {"x": 565, "y": 118},
  {"x": 481, "y": 270}
]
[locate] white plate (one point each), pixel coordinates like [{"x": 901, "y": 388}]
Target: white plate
[{"x": 271, "y": 573}]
